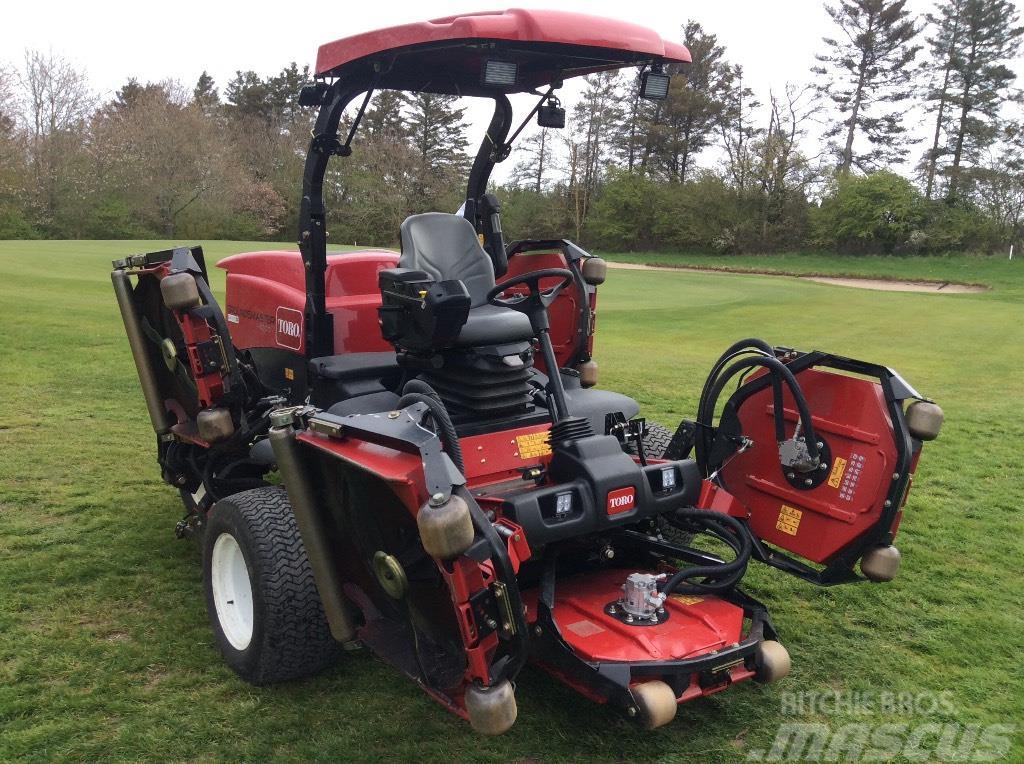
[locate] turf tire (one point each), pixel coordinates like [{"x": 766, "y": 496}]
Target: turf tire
[
  {"x": 290, "y": 637},
  {"x": 656, "y": 439}
]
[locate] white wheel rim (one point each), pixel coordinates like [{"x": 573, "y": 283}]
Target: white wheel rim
[{"x": 232, "y": 591}]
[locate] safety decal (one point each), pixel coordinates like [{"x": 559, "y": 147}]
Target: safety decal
[
  {"x": 533, "y": 444},
  {"x": 686, "y": 599},
  {"x": 851, "y": 478},
  {"x": 835, "y": 477},
  {"x": 789, "y": 520}
]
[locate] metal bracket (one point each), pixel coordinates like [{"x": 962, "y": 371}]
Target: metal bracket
[{"x": 402, "y": 431}]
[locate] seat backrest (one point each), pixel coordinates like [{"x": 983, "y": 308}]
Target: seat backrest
[{"x": 446, "y": 247}]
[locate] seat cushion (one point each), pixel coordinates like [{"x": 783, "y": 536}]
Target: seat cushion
[{"x": 489, "y": 324}]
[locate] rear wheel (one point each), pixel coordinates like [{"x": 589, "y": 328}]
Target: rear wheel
[{"x": 260, "y": 593}]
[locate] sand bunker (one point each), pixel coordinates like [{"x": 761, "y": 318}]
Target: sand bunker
[{"x": 884, "y": 285}]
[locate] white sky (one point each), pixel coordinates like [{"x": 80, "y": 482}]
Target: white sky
[{"x": 774, "y": 41}]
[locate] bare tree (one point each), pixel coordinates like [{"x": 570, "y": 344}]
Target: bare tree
[
  {"x": 537, "y": 162},
  {"x": 738, "y": 130},
  {"x": 782, "y": 172}
]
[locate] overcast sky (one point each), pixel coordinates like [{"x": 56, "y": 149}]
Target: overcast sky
[{"x": 775, "y": 42}]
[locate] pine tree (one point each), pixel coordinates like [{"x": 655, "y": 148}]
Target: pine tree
[
  {"x": 873, "y": 63},
  {"x": 437, "y": 131},
  {"x": 943, "y": 45},
  {"x": 384, "y": 120},
  {"x": 205, "y": 94},
  {"x": 991, "y": 36}
]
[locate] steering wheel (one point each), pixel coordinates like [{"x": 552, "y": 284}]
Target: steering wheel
[{"x": 537, "y": 300}]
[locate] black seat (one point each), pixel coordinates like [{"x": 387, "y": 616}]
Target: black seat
[{"x": 446, "y": 247}]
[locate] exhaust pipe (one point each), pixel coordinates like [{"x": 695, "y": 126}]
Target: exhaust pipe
[
  {"x": 133, "y": 328},
  {"x": 314, "y": 536}
]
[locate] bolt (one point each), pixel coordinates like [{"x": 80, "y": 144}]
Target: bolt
[
  {"x": 823, "y": 466},
  {"x": 437, "y": 500},
  {"x": 820, "y": 445},
  {"x": 895, "y": 476},
  {"x": 613, "y": 608},
  {"x": 661, "y": 611},
  {"x": 505, "y": 626},
  {"x": 791, "y": 475},
  {"x": 538, "y": 630},
  {"x": 394, "y": 414},
  {"x": 491, "y": 624},
  {"x": 888, "y": 503},
  {"x": 517, "y": 537},
  {"x": 631, "y": 710},
  {"x": 808, "y": 481},
  {"x": 629, "y": 619}
]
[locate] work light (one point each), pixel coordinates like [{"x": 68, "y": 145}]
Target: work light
[
  {"x": 500, "y": 72},
  {"x": 654, "y": 85}
]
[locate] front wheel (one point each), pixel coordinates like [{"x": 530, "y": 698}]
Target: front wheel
[{"x": 261, "y": 597}]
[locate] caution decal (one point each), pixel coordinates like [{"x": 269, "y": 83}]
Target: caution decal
[
  {"x": 789, "y": 520},
  {"x": 836, "y": 476},
  {"x": 533, "y": 445}
]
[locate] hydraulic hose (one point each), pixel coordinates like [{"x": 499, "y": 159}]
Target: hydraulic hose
[
  {"x": 719, "y": 577},
  {"x": 779, "y": 371},
  {"x": 418, "y": 391},
  {"x": 748, "y": 345}
]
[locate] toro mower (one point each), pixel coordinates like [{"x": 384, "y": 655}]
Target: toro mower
[{"x": 408, "y": 451}]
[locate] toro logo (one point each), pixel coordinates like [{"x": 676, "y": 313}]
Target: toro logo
[
  {"x": 289, "y": 328},
  {"x": 621, "y": 500}
]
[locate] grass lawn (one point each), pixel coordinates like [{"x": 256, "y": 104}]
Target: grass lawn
[{"x": 105, "y": 651}]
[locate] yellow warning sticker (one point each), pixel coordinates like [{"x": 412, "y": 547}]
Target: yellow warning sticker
[
  {"x": 789, "y": 520},
  {"x": 835, "y": 477},
  {"x": 289, "y": 373},
  {"x": 533, "y": 445},
  {"x": 687, "y": 599}
]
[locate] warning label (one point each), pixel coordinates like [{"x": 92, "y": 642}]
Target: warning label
[
  {"x": 789, "y": 520},
  {"x": 848, "y": 485},
  {"x": 686, "y": 599},
  {"x": 533, "y": 445},
  {"x": 835, "y": 477}
]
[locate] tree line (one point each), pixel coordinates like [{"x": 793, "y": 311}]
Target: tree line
[{"x": 830, "y": 164}]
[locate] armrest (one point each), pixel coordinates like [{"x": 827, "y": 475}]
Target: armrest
[{"x": 401, "y": 275}]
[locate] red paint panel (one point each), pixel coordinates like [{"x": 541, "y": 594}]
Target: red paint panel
[
  {"x": 515, "y": 24},
  {"x": 850, "y": 413},
  {"x": 264, "y": 288},
  {"x": 696, "y": 625},
  {"x": 496, "y": 456}
]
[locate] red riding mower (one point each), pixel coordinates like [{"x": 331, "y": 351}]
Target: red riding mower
[{"x": 457, "y": 495}]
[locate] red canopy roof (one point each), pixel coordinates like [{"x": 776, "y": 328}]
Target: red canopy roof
[{"x": 559, "y": 32}]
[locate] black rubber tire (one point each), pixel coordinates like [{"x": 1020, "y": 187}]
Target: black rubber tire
[
  {"x": 656, "y": 439},
  {"x": 290, "y": 634}
]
